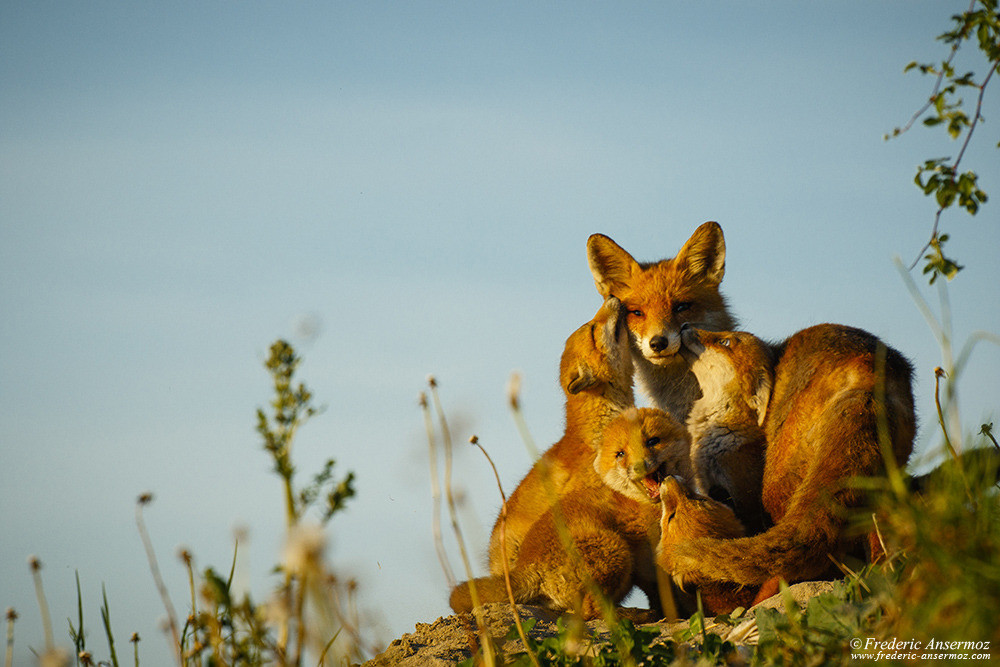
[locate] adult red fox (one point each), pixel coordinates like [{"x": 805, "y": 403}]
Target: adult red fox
[
  {"x": 834, "y": 388},
  {"x": 610, "y": 519},
  {"x": 659, "y": 297},
  {"x": 595, "y": 373}
]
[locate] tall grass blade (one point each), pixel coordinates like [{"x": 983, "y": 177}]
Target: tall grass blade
[{"x": 106, "y": 618}]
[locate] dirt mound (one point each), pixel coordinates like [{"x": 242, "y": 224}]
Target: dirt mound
[{"x": 447, "y": 640}]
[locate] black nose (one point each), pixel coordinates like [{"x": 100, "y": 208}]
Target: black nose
[{"x": 658, "y": 343}]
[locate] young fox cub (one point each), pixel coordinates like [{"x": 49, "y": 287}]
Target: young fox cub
[
  {"x": 735, "y": 372},
  {"x": 659, "y": 297},
  {"x": 609, "y": 519},
  {"x": 685, "y": 515},
  {"x": 834, "y": 388},
  {"x": 596, "y": 375}
]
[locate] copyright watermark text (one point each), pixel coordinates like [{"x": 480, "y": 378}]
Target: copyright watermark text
[{"x": 915, "y": 649}]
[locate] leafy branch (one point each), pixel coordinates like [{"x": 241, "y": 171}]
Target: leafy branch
[
  {"x": 940, "y": 177},
  {"x": 292, "y": 406}
]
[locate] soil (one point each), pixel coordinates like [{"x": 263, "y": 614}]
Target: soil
[{"x": 449, "y": 639}]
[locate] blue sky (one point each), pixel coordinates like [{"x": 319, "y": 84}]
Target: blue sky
[{"x": 182, "y": 183}]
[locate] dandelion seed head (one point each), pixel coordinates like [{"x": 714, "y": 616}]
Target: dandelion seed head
[
  {"x": 241, "y": 534},
  {"x": 305, "y": 549},
  {"x": 54, "y": 657}
]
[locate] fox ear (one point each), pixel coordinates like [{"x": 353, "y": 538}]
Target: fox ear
[
  {"x": 611, "y": 266},
  {"x": 580, "y": 378},
  {"x": 704, "y": 254},
  {"x": 761, "y": 396}
]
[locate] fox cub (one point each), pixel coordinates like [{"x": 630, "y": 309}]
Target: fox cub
[
  {"x": 599, "y": 540},
  {"x": 735, "y": 372},
  {"x": 686, "y": 515},
  {"x": 595, "y": 373},
  {"x": 834, "y": 388}
]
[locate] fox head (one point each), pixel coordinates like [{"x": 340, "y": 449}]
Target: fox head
[
  {"x": 735, "y": 371},
  {"x": 685, "y": 515},
  {"x": 596, "y": 357},
  {"x": 659, "y": 297},
  {"x": 638, "y": 449}
]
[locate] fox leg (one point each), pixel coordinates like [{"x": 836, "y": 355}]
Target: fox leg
[{"x": 597, "y": 574}]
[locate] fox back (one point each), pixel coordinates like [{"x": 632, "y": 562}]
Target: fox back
[{"x": 659, "y": 298}]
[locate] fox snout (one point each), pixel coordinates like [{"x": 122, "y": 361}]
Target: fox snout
[
  {"x": 691, "y": 345},
  {"x": 659, "y": 344}
]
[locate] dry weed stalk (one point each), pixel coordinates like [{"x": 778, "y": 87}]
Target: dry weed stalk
[
  {"x": 489, "y": 653},
  {"x": 9, "y": 657},
  {"x": 503, "y": 550},
  {"x": 154, "y": 567},
  {"x": 436, "y": 495}
]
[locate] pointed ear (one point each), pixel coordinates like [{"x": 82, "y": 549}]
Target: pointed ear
[
  {"x": 611, "y": 266},
  {"x": 761, "y": 396},
  {"x": 704, "y": 254},
  {"x": 580, "y": 378}
]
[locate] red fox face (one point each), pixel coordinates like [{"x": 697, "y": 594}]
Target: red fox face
[
  {"x": 735, "y": 370},
  {"x": 639, "y": 449},
  {"x": 686, "y": 515},
  {"x": 596, "y": 356},
  {"x": 659, "y": 297}
]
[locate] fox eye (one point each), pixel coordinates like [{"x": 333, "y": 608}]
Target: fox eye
[
  {"x": 620, "y": 454},
  {"x": 635, "y": 312},
  {"x": 724, "y": 342},
  {"x": 653, "y": 442},
  {"x": 682, "y": 306},
  {"x": 671, "y": 517}
]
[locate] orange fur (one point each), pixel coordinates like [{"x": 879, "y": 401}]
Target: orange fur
[
  {"x": 611, "y": 518},
  {"x": 659, "y": 298},
  {"x": 685, "y": 515},
  {"x": 821, "y": 429},
  {"x": 822, "y": 422},
  {"x": 596, "y": 376},
  {"x": 735, "y": 371}
]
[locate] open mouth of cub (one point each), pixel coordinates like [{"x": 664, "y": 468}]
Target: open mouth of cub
[{"x": 651, "y": 482}]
